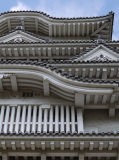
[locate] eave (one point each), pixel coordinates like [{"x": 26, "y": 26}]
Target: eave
[{"x": 60, "y": 27}]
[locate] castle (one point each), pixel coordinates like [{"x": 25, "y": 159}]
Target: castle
[{"x": 59, "y": 87}]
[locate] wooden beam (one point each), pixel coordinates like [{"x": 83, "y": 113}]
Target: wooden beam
[
  {"x": 91, "y": 145},
  {"x": 81, "y": 156},
  {"x": 14, "y": 83},
  {"x": 22, "y": 143},
  {"x": 80, "y": 120},
  {"x": 104, "y": 73},
  {"x": 81, "y": 145},
  {"x": 101, "y": 28},
  {"x": 113, "y": 96},
  {"x": 43, "y": 145},
  {"x": 16, "y": 52},
  {"x": 50, "y": 30},
  {"x": 69, "y": 27},
  {"x": 76, "y": 72},
  {"x": 63, "y": 51},
  {"x": 110, "y": 146},
  {"x": 9, "y": 25},
  {"x": 83, "y": 72},
  {"x": 74, "y": 27},
  {"x": 104, "y": 99},
  {"x": 39, "y": 51},
  {"x": 83, "y": 29},
  {"x": 91, "y": 73},
  {"x": 4, "y": 156},
  {"x": 49, "y": 52},
  {"x": 64, "y": 29},
  {"x": 46, "y": 88},
  {"x": 79, "y": 100},
  {"x": 70, "y": 71},
  {"x": 98, "y": 25},
  {"x": 21, "y": 52},
  {"x": 88, "y": 98},
  {"x": 62, "y": 146},
  {"x": 55, "y": 30},
  {"x": 69, "y": 51},
  {"x": 9, "y": 52},
  {"x": 52, "y": 146},
  {"x": 57, "y": 51},
  {"x": 95, "y": 99},
  {"x": 4, "y": 52},
  {"x": 98, "y": 73},
  {"x": 75, "y": 50},
  {"x": 32, "y": 145},
  {"x": 44, "y": 51},
  {"x": 93, "y": 27},
  {"x": 101, "y": 145},
  {"x": 43, "y": 156},
  {"x": 71, "y": 146},
  {"x": 33, "y": 51},
  {"x": 3, "y": 145},
  {"x": 60, "y": 30},
  {"x": 112, "y": 72},
  {"x": 118, "y": 72},
  {"x": 1, "y": 84},
  {"x": 88, "y": 29},
  {"x": 13, "y": 144},
  {"x": 78, "y": 29},
  {"x": 112, "y": 111},
  {"x": 36, "y": 25}
]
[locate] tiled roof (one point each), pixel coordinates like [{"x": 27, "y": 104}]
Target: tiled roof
[
  {"x": 56, "y": 18},
  {"x": 31, "y": 34},
  {"x": 93, "y": 47},
  {"x": 63, "y": 133},
  {"x": 79, "y": 61},
  {"x": 53, "y": 68}
]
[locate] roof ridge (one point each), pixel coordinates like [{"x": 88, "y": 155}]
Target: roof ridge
[
  {"x": 22, "y": 30},
  {"x": 87, "y": 133},
  {"x": 57, "y": 18},
  {"x": 59, "y": 71},
  {"x": 93, "y": 47}
]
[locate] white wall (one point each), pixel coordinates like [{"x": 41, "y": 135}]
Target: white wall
[{"x": 98, "y": 120}]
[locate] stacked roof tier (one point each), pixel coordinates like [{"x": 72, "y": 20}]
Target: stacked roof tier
[{"x": 59, "y": 87}]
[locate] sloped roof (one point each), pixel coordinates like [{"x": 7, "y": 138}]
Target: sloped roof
[
  {"x": 28, "y": 35},
  {"x": 58, "y": 71},
  {"x": 57, "y": 18},
  {"x": 60, "y": 27}
]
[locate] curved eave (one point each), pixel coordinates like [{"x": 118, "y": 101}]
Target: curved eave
[
  {"x": 51, "y": 26},
  {"x": 59, "y": 81}
]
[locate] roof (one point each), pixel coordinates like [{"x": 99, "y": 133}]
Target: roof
[
  {"x": 58, "y": 71},
  {"x": 58, "y": 18},
  {"x": 63, "y": 133},
  {"x": 59, "y": 27},
  {"x": 33, "y": 37}
]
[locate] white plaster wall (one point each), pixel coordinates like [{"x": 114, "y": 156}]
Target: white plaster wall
[{"x": 98, "y": 120}]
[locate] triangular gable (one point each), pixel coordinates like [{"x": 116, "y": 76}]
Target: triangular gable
[
  {"x": 20, "y": 36},
  {"x": 100, "y": 52}
]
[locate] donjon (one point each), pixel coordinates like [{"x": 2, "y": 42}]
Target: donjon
[{"x": 59, "y": 87}]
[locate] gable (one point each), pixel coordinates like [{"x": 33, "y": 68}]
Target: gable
[
  {"x": 101, "y": 53},
  {"x": 19, "y": 36}
]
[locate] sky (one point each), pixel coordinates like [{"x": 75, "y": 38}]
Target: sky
[{"x": 67, "y": 8}]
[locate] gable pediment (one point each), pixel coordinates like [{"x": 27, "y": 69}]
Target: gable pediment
[
  {"x": 19, "y": 36},
  {"x": 100, "y": 53}
]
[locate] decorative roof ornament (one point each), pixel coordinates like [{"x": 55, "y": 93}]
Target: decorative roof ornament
[
  {"x": 100, "y": 40},
  {"x": 19, "y": 27},
  {"x": 102, "y": 57},
  {"x": 18, "y": 40}
]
